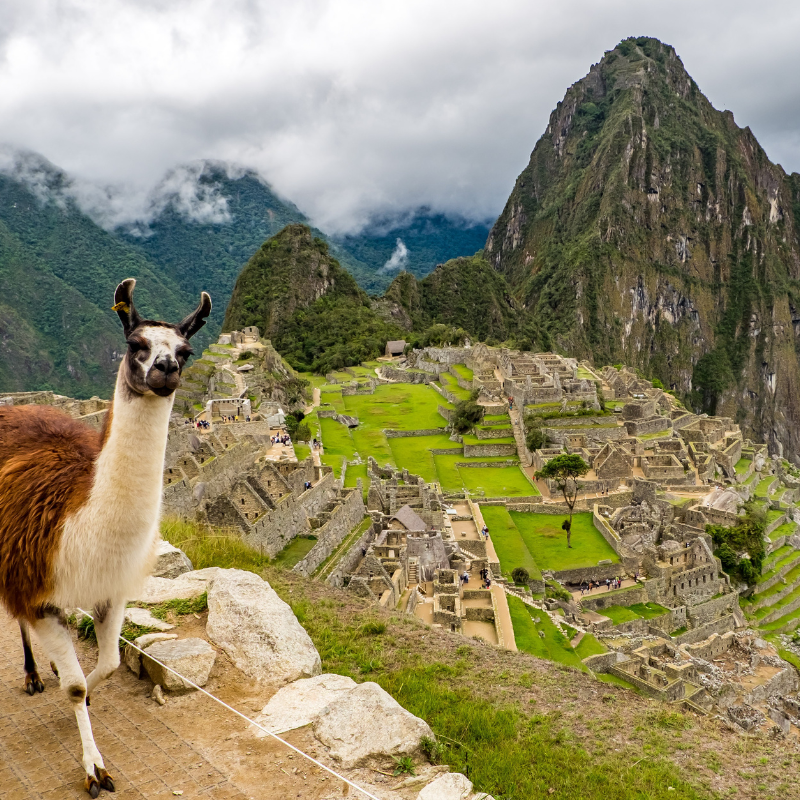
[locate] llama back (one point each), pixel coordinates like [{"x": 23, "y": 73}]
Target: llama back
[{"x": 46, "y": 471}]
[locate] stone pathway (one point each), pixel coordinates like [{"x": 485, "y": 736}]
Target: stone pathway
[{"x": 40, "y": 746}]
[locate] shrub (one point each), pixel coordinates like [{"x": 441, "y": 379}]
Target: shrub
[
  {"x": 467, "y": 414},
  {"x": 520, "y": 575},
  {"x": 745, "y": 537}
]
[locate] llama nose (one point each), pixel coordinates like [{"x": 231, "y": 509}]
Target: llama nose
[{"x": 163, "y": 373}]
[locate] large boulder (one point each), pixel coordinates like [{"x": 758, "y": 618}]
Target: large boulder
[
  {"x": 368, "y": 723},
  {"x": 132, "y": 656},
  {"x": 170, "y": 561},
  {"x": 260, "y": 633},
  {"x": 192, "y": 658},
  {"x": 300, "y": 703},
  {"x": 184, "y": 587}
]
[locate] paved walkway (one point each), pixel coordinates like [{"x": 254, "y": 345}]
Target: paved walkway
[{"x": 40, "y": 746}]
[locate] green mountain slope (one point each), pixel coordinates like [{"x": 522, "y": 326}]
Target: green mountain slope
[
  {"x": 463, "y": 292},
  {"x": 649, "y": 228},
  {"x": 203, "y": 253},
  {"x": 58, "y": 271},
  {"x": 298, "y": 295}
]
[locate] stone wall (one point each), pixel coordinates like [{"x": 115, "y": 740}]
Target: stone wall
[
  {"x": 346, "y": 516},
  {"x": 713, "y": 609},
  {"x": 720, "y": 626},
  {"x": 652, "y": 425},
  {"x": 350, "y": 560},
  {"x": 407, "y": 375},
  {"x": 620, "y": 597},
  {"x": 488, "y": 449},
  {"x": 586, "y": 574},
  {"x": 277, "y": 527},
  {"x": 494, "y": 432}
]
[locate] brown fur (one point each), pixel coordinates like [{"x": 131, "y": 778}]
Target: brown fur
[{"x": 46, "y": 471}]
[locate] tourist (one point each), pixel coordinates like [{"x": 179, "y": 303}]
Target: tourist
[{"x": 608, "y": 584}]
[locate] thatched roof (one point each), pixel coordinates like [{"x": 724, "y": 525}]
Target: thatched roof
[{"x": 409, "y": 519}]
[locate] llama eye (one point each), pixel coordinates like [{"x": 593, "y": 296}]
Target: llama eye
[
  {"x": 185, "y": 352},
  {"x": 136, "y": 346}
]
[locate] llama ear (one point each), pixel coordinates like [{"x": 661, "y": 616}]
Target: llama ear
[
  {"x": 123, "y": 305},
  {"x": 189, "y": 326}
]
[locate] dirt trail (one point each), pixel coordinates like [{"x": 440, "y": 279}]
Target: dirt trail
[{"x": 189, "y": 748}]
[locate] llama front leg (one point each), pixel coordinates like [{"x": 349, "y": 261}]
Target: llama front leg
[
  {"x": 33, "y": 682},
  {"x": 108, "y": 619},
  {"x": 54, "y": 637}
]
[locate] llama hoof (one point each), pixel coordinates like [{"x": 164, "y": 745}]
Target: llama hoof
[
  {"x": 88, "y": 701},
  {"x": 33, "y": 684},
  {"x": 106, "y": 781},
  {"x": 92, "y": 786},
  {"x": 54, "y": 668}
]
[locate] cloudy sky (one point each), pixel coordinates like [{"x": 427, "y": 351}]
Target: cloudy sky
[{"x": 357, "y": 107}]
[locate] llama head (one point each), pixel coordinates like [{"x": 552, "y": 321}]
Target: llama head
[{"x": 157, "y": 350}]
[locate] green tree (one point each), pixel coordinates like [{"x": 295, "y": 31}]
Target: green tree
[
  {"x": 467, "y": 414},
  {"x": 565, "y": 471},
  {"x": 520, "y": 575}
]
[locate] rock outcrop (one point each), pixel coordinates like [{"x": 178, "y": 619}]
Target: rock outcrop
[
  {"x": 368, "y": 723},
  {"x": 248, "y": 620},
  {"x": 192, "y": 658},
  {"x": 171, "y": 561}
]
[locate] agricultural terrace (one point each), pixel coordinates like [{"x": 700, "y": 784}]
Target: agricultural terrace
[{"x": 408, "y": 407}]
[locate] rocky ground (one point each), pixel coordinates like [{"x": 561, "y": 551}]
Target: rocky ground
[{"x": 194, "y": 746}]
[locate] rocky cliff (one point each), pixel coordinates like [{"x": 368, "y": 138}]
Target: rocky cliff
[{"x": 649, "y": 228}]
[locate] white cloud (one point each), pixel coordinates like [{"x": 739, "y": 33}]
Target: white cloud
[
  {"x": 398, "y": 259},
  {"x": 351, "y": 108}
]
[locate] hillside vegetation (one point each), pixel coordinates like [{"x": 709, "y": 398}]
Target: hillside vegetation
[
  {"x": 58, "y": 272},
  {"x": 298, "y": 295},
  {"x": 649, "y": 228},
  {"x": 518, "y": 726}
]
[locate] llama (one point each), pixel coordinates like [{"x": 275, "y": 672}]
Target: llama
[{"x": 79, "y": 510}]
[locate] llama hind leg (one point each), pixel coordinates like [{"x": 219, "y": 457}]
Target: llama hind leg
[
  {"x": 54, "y": 636},
  {"x": 33, "y": 682},
  {"x": 108, "y": 620}
]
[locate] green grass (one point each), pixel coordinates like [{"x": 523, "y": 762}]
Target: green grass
[
  {"x": 548, "y": 543},
  {"x": 451, "y": 384},
  {"x": 397, "y": 406},
  {"x": 496, "y": 417},
  {"x": 787, "y": 529},
  {"x": 508, "y": 544},
  {"x": 354, "y": 472},
  {"x": 212, "y": 548},
  {"x": 679, "y": 631},
  {"x": 589, "y": 646},
  {"x": 301, "y": 450},
  {"x": 778, "y": 559},
  {"x": 763, "y": 486},
  {"x": 742, "y": 465},
  {"x": 463, "y": 371},
  {"x": 413, "y": 453},
  {"x": 619, "y": 614},
  {"x": 295, "y": 551},
  {"x": 497, "y": 482},
  {"x": 605, "y": 677},
  {"x": 553, "y": 646}
]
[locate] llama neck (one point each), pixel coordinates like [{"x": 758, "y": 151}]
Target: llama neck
[{"x": 130, "y": 466}]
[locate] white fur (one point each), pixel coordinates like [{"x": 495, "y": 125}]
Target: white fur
[
  {"x": 163, "y": 342},
  {"x": 107, "y": 545}
]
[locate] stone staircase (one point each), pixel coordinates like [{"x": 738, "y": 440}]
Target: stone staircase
[{"x": 519, "y": 437}]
